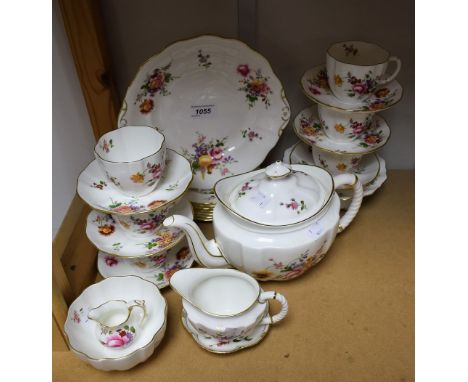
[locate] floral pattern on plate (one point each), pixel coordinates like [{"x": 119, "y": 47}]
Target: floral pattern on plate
[
  {"x": 156, "y": 83},
  {"x": 369, "y": 141},
  {"x": 157, "y": 269},
  {"x": 315, "y": 85},
  {"x": 203, "y": 59},
  {"x": 221, "y": 344},
  {"x": 255, "y": 85},
  {"x": 209, "y": 156},
  {"x": 250, "y": 134}
]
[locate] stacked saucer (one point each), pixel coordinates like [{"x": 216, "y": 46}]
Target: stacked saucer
[
  {"x": 133, "y": 185},
  {"x": 343, "y": 130}
]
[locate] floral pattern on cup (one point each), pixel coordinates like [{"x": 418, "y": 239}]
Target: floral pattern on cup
[
  {"x": 294, "y": 205},
  {"x": 360, "y": 86},
  {"x": 254, "y": 85},
  {"x": 111, "y": 261},
  {"x": 156, "y": 83},
  {"x": 120, "y": 337},
  {"x": 292, "y": 269},
  {"x": 106, "y": 146},
  {"x": 203, "y": 59},
  {"x": 149, "y": 176},
  {"x": 350, "y": 50},
  {"x": 133, "y": 206},
  {"x": 383, "y": 98},
  {"x": 149, "y": 222},
  {"x": 209, "y": 156},
  {"x": 250, "y": 134}
]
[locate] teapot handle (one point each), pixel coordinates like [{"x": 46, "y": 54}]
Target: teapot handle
[
  {"x": 270, "y": 295},
  {"x": 358, "y": 193},
  {"x": 139, "y": 304}
]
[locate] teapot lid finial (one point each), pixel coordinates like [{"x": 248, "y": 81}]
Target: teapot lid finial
[{"x": 277, "y": 170}]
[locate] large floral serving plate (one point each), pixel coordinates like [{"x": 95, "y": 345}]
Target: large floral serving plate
[
  {"x": 96, "y": 190},
  {"x": 315, "y": 86},
  {"x": 157, "y": 269},
  {"x": 368, "y": 169},
  {"x": 217, "y": 102},
  {"x": 110, "y": 237},
  {"x": 309, "y": 129},
  {"x": 224, "y": 345}
]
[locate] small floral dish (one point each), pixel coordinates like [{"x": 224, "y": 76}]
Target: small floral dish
[
  {"x": 225, "y": 345},
  {"x": 107, "y": 235},
  {"x": 315, "y": 86},
  {"x": 217, "y": 102},
  {"x": 308, "y": 128},
  {"x": 367, "y": 170},
  {"x": 157, "y": 269},
  {"x": 102, "y": 195},
  {"x": 128, "y": 346},
  {"x": 132, "y": 158}
]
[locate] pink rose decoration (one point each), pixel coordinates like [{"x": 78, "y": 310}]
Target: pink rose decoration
[
  {"x": 243, "y": 70},
  {"x": 111, "y": 261},
  {"x": 294, "y": 205},
  {"x": 360, "y": 88},
  {"x": 216, "y": 153},
  {"x": 115, "y": 340},
  {"x": 148, "y": 226}
]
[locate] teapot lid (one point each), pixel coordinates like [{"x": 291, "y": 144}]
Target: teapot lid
[{"x": 279, "y": 195}]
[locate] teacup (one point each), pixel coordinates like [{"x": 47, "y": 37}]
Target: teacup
[
  {"x": 336, "y": 163},
  {"x": 133, "y": 158},
  {"x": 342, "y": 126},
  {"x": 225, "y": 303},
  {"x": 143, "y": 224},
  {"x": 117, "y": 325},
  {"x": 356, "y": 68}
]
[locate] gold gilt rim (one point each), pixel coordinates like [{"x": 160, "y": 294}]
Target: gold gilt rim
[
  {"x": 136, "y": 160},
  {"x": 346, "y": 188},
  {"x": 195, "y": 338},
  {"x": 286, "y": 109},
  {"x": 203, "y": 211},
  {"x": 165, "y": 249},
  {"x": 278, "y": 225},
  {"x": 138, "y": 212},
  {"x": 164, "y": 325},
  {"x": 360, "y": 41},
  {"x": 338, "y": 152},
  {"x": 352, "y": 110}
]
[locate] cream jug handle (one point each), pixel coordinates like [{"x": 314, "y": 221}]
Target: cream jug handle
[
  {"x": 270, "y": 295},
  {"x": 351, "y": 180},
  {"x": 139, "y": 304}
]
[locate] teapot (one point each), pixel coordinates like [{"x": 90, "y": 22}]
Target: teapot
[
  {"x": 117, "y": 322},
  {"x": 224, "y": 303},
  {"x": 273, "y": 223}
]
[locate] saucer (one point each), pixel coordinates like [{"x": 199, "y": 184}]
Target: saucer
[
  {"x": 81, "y": 331},
  {"x": 108, "y": 236},
  {"x": 157, "y": 269},
  {"x": 309, "y": 130},
  {"x": 315, "y": 86},
  {"x": 99, "y": 192},
  {"x": 369, "y": 167},
  {"x": 224, "y": 346}
]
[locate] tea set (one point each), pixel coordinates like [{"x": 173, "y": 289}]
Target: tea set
[{"x": 271, "y": 223}]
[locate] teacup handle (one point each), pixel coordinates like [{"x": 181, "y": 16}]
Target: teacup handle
[
  {"x": 394, "y": 74},
  {"x": 358, "y": 193},
  {"x": 139, "y": 304},
  {"x": 271, "y": 295}
]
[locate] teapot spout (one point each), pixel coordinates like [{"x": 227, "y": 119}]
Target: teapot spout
[{"x": 206, "y": 252}]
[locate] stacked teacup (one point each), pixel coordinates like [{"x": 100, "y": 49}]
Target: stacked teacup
[
  {"x": 133, "y": 185},
  {"x": 343, "y": 131}
]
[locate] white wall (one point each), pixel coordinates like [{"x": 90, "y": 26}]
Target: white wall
[{"x": 72, "y": 136}]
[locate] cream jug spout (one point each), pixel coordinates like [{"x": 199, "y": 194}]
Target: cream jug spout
[{"x": 206, "y": 252}]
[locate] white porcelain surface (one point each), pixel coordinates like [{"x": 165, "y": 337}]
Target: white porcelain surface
[
  {"x": 356, "y": 68},
  {"x": 225, "y": 345},
  {"x": 367, "y": 170},
  {"x": 343, "y": 126},
  {"x": 308, "y": 129},
  {"x": 132, "y": 158},
  {"x": 270, "y": 252},
  {"x": 315, "y": 86},
  {"x": 216, "y": 100},
  {"x": 110, "y": 237},
  {"x": 225, "y": 303},
  {"x": 157, "y": 269},
  {"x": 81, "y": 331},
  {"x": 104, "y": 196}
]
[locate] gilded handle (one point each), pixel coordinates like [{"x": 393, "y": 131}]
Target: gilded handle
[{"x": 358, "y": 194}]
